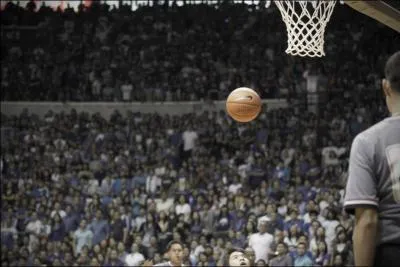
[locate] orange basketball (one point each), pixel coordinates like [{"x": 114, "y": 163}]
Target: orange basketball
[{"x": 243, "y": 104}]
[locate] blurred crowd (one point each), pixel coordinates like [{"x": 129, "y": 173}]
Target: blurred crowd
[
  {"x": 174, "y": 53},
  {"x": 80, "y": 190}
]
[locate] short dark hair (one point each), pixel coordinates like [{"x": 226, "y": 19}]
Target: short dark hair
[
  {"x": 173, "y": 242},
  {"x": 313, "y": 212},
  {"x": 392, "y": 71},
  {"x": 262, "y": 261},
  {"x": 229, "y": 252},
  {"x": 283, "y": 244}
]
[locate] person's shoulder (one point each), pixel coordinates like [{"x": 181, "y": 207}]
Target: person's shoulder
[
  {"x": 254, "y": 235},
  {"x": 375, "y": 131},
  {"x": 288, "y": 256}
]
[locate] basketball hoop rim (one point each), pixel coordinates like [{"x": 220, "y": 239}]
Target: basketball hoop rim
[
  {"x": 305, "y": 22},
  {"x": 268, "y": 2}
]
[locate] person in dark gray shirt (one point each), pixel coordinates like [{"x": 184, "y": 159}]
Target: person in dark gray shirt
[
  {"x": 282, "y": 256},
  {"x": 373, "y": 186}
]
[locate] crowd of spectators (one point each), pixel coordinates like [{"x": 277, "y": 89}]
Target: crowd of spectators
[
  {"x": 160, "y": 53},
  {"x": 80, "y": 190}
]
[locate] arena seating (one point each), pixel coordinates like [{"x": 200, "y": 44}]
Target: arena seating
[
  {"x": 191, "y": 52},
  {"x": 80, "y": 190}
]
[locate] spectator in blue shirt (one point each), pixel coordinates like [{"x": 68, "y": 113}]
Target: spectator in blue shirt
[
  {"x": 302, "y": 239},
  {"x": 116, "y": 186},
  {"x": 71, "y": 219},
  {"x": 139, "y": 179},
  {"x": 100, "y": 228},
  {"x": 282, "y": 173},
  {"x": 256, "y": 174},
  {"x": 302, "y": 259},
  {"x": 294, "y": 220},
  {"x": 239, "y": 221}
]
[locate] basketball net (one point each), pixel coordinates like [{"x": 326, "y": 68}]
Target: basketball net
[{"x": 305, "y": 24}]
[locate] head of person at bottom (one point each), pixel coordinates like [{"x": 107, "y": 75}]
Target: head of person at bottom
[
  {"x": 250, "y": 254},
  {"x": 391, "y": 84},
  {"x": 175, "y": 253},
  {"x": 237, "y": 257}
]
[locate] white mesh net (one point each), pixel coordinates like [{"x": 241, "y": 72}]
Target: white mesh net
[{"x": 305, "y": 24}]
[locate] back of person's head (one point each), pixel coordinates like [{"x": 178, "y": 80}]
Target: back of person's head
[
  {"x": 261, "y": 262},
  {"x": 249, "y": 251},
  {"x": 392, "y": 71}
]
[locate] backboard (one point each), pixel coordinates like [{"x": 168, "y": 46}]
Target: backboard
[{"x": 387, "y": 12}]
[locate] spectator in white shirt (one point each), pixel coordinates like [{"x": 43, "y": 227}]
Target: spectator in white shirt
[
  {"x": 287, "y": 155},
  {"x": 93, "y": 186},
  {"x": 201, "y": 246},
  {"x": 153, "y": 182},
  {"x": 60, "y": 143},
  {"x": 261, "y": 242},
  {"x": 55, "y": 176},
  {"x": 291, "y": 240},
  {"x": 106, "y": 186},
  {"x": 164, "y": 203},
  {"x": 189, "y": 138},
  {"x": 160, "y": 170},
  {"x": 183, "y": 207},
  {"x": 82, "y": 237},
  {"x": 311, "y": 209},
  {"x": 57, "y": 210},
  {"x": 135, "y": 258},
  {"x": 330, "y": 225},
  {"x": 331, "y": 154},
  {"x": 34, "y": 228},
  {"x": 139, "y": 220},
  {"x": 126, "y": 90},
  {"x": 235, "y": 185}
]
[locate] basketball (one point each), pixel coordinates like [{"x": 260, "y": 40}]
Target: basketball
[{"x": 243, "y": 104}]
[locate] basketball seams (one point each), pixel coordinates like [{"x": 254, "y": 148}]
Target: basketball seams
[
  {"x": 243, "y": 104},
  {"x": 242, "y": 118},
  {"x": 238, "y": 110}
]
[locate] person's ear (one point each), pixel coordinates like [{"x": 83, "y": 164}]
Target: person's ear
[{"x": 386, "y": 87}]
